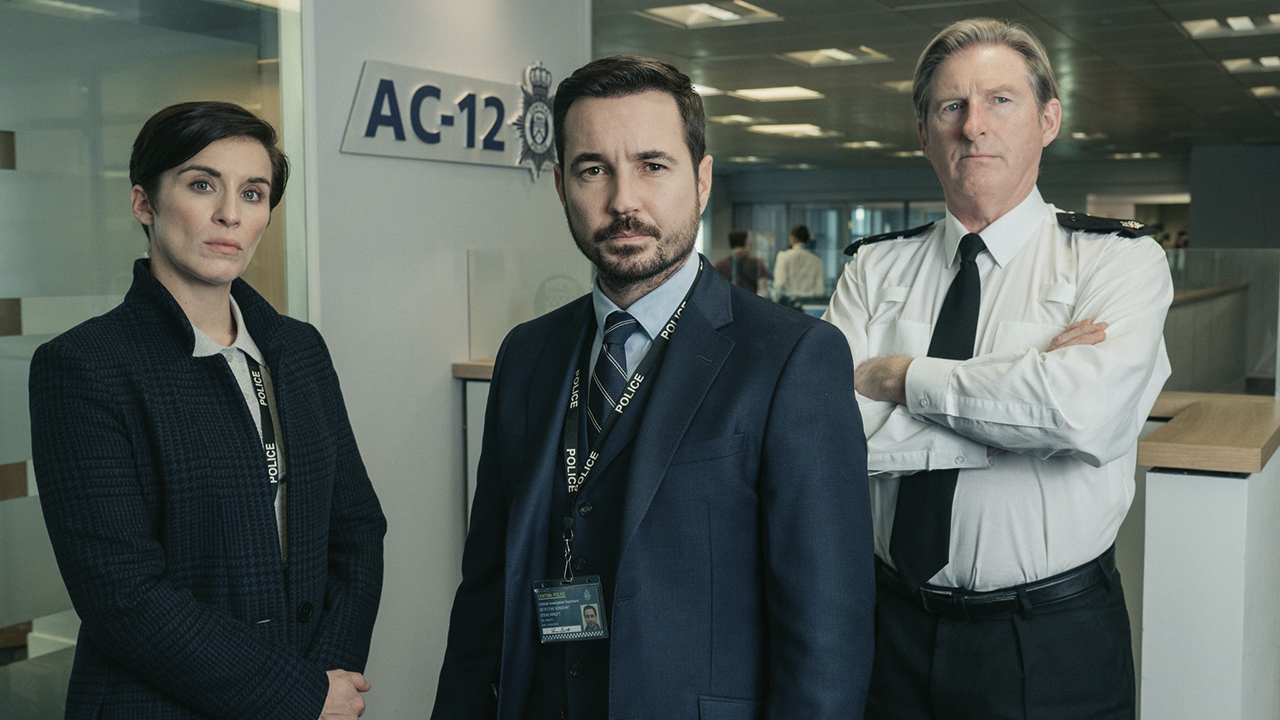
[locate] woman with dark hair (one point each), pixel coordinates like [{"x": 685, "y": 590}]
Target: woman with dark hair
[{"x": 213, "y": 521}]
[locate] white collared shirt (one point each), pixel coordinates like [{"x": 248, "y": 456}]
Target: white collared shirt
[
  {"x": 1067, "y": 421},
  {"x": 797, "y": 272},
  {"x": 235, "y": 354},
  {"x": 651, "y": 312}
]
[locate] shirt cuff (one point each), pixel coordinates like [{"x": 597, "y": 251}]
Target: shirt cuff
[{"x": 926, "y": 385}]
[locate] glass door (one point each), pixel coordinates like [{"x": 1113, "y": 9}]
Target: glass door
[{"x": 77, "y": 81}]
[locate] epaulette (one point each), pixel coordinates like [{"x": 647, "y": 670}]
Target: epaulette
[
  {"x": 1105, "y": 226},
  {"x": 853, "y": 247}
]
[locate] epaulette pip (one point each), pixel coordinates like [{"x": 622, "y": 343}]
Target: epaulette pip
[
  {"x": 1105, "y": 226},
  {"x": 853, "y": 247}
]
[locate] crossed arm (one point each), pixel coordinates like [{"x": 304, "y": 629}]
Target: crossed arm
[
  {"x": 1083, "y": 394},
  {"x": 884, "y": 378}
]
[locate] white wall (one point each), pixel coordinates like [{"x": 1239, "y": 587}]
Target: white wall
[{"x": 389, "y": 285}]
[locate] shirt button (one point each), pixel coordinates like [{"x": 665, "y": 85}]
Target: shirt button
[
  {"x": 585, "y": 509},
  {"x": 924, "y": 402},
  {"x": 564, "y": 715},
  {"x": 959, "y": 459},
  {"x": 304, "y": 612},
  {"x": 579, "y": 564},
  {"x": 575, "y": 669}
]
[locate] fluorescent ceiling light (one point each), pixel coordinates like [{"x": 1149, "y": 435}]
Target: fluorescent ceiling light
[
  {"x": 900, "y": 86},
  {"x": 718, "y": 13},
  {"x": 1265, "y": 91},
  {"x": 1199, "y": 28},
  {"x": 863, "y": 145},
  {"x": 69, "y": 9},
  {"x": 798, "y": 130},
  {"x": 714, "y": 14},
  {"x": 746, "y": 159},
  {"x": 796, "y": 166},
  {"x": 908, "y": 153},
  {"x": 1135, "y": 156},
  {"x": 738, "y": 120},
  {"x": 1080, "y": 135},
  {"x": 1269, "y": 63},
  {"x": 1235, "y": 26},
  {"x": 706, "y": 91},
  {"x": 777, "y": 94},
  {"x": 835, "y": 56}
]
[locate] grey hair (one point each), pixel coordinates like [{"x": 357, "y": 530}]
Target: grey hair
[{"x": 983, "y": 31}]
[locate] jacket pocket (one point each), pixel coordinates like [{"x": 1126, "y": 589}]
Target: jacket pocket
[
  {"x": 725, "y": 708},
  {"x": 699, "y": 450}
]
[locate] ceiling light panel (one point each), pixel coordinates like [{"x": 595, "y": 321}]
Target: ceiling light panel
[
  {"x": 777, "y": 94},
  {"x": 1235, "y": 26},
  {"x": 1269, "y": 63},
  {"x": 825, "y": 57},
  {"x": 698, "y": 16},
  {"x": 737, "y": 120},
  {"x": 798, "y": 130},
  {"x": 706, "y": 91},
  {"x": 864, "y": 145}
]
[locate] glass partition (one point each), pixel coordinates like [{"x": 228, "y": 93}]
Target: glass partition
[
  {"x": 508, "y": 287},
  {"x": 1221, "y": 332},
  {"x": 77, "y": 81},
  {"x": 832, "y": 227}
]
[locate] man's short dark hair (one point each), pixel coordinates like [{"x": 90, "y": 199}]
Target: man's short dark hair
[
  {"x": 801, "y": 233},
  {"x": 623, "y": 75},
  {"x": 179, "y": 132},
  {"x": 737, "y": 238}
]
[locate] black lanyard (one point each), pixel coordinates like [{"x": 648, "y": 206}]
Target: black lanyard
[
  {"x": 266, "y": 406},
  {"x": 575, "y": 478}
]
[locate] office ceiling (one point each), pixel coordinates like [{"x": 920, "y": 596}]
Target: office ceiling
[{"x": 1133, "y": 80}]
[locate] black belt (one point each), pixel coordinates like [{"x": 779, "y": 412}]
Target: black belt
[{"x": 968, "y": 605}]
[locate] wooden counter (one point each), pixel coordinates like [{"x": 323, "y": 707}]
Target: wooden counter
[
  {"x": 1218, "y": 433},
  {"x": 473, "y": 369},
  {"x": 1205, "y": 431}
]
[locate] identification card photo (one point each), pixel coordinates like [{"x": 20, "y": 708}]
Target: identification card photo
[{"x": 572, "y": 610}]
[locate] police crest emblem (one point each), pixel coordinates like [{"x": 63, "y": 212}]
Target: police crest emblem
[{"x": 534, "y": 124}]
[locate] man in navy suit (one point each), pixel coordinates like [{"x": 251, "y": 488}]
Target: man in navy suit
[{"x": 678, "y": 452}]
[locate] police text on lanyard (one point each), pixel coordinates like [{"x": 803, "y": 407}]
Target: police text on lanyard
[
  {"x": 266, "y": 407},
  {"x": 575, "y": 479}
]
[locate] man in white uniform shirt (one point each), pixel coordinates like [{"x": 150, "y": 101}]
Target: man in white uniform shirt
[{"x": 1006, "y": 358}]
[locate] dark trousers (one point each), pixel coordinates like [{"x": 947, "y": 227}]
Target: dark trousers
[{"x": 1070, "y": 660}]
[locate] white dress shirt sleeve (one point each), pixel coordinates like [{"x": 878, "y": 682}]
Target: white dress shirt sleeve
[
  {"x": 898, "y": 442},
  {"x": 1088, "y": 401}
]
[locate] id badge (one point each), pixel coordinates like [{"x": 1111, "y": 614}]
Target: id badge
[{"x": 572, "y": 610}]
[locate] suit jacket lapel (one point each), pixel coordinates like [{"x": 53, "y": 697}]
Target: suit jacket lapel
[
  {"x": 548, "y": 399},
  {"x": 694, "y": 358}
]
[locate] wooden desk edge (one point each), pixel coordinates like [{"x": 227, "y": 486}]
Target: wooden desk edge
[
  {"x": 1247, "y": 450},
  {"x": 474, "y": 369}
]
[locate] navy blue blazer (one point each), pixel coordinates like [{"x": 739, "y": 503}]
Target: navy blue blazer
[
  {"x": 154, "y": 487},
  {"x": 744, "y": 587}
]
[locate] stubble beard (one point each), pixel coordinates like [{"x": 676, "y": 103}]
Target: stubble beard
[{"x": 626, "y": 268}]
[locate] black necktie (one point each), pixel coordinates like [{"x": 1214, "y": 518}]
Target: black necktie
[
  {"x": 610, "y": 374},
  {"x": 921, "y": 539}
]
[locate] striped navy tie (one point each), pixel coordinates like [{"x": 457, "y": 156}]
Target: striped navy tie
[{"x": 610, "y": 375}]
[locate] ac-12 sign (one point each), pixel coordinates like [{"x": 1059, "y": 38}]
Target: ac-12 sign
[{"x": 408, "y": 112}]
